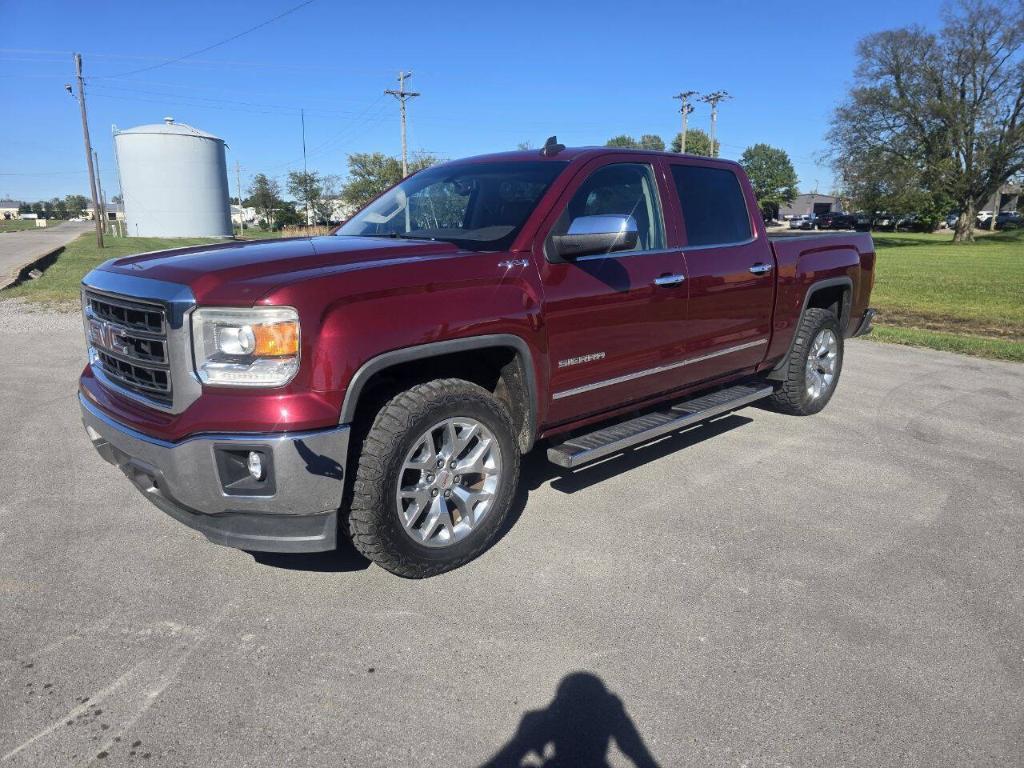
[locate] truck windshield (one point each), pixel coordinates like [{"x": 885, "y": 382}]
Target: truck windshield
[{"x": 478, "y": 206}]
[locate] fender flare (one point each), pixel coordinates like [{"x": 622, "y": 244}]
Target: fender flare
[
  {"x": 829, "y": 282},
  {"x": 435, "y": 349}
]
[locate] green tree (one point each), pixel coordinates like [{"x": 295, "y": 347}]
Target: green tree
[
  {"x": 307, "y": 188},
  {"x": 622, "y": 140},
  {"x": 60, "y": 208},
  {"x": 946, "y": 107},
  {"x": 652, "y": 142},
  {"x": 76, "y": 205},
  {"x": 264, "y": 196},
  {"x": 697, "y": 143},
  {"x": 286, "y": 215},
  {"x": 648, "y": 141},
  {"x": 372, "y": 173},
  {"x": 771, "y": 175}
]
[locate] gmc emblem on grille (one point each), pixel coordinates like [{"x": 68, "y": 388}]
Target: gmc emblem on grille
[{"x": 108, "y": 336}]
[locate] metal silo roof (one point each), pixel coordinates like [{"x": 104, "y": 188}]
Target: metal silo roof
[{"x": 169, "y": 127}]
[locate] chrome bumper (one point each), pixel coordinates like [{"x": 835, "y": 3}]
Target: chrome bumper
[{"x": 297, "y": 512}]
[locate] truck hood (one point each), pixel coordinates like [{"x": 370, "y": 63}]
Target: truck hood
[{"x": 240, "y": 273}]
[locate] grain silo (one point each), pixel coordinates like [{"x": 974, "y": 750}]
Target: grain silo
[{"x": 174, "y": 181}]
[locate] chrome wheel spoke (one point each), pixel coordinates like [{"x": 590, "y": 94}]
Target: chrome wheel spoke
[{"x": 475, "y": 462}]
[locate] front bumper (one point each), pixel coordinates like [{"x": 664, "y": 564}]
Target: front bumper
[{"x": 298, "y": 512}]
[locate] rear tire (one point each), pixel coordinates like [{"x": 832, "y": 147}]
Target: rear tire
[
  {"x": 436, "y": 478},
  {"x": 811, "y": 372}
]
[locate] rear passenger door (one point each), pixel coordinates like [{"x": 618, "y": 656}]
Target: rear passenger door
[{"x": 730, "y": 271}]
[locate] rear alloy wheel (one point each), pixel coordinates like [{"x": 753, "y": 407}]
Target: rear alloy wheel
[
  {"x": 811, "y": 372},
  {"x": 436, "y": 478}
]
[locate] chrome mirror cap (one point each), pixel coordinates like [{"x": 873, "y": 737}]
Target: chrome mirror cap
[{"x": 603, "y": 224}]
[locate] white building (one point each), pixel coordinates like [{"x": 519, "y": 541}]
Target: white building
[{"x": 9, "y": 208}]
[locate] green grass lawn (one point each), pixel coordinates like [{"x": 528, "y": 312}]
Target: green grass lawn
[
  {"x": 963, "y": 298},
  {"x": 60, "y": 282},
  {"x": 20, "y": 225}
]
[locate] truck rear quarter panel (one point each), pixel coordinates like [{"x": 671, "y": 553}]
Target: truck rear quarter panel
[{"x": 806, "y": 261}]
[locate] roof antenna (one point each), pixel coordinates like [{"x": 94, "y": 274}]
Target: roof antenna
[{"x": 551, "y": 147}]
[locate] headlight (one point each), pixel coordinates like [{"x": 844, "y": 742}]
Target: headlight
[{"x": 256, "y": 347}]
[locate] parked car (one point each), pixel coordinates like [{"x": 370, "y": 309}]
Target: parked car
[
  {"x": 836, "y": 220},
  {"x": 806, "y": 221},
  {"x": 1009, "y": 220},
  {"x": 382, "y": 383}
]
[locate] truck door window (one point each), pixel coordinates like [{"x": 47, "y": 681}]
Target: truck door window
[
  {"x": 714, "y": 210},
  {"x": 620, "y": 188}
]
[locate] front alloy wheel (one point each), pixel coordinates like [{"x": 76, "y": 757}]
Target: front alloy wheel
[
  {"x": 447, "y": 482},
  {"x": 436, "y": 478}
]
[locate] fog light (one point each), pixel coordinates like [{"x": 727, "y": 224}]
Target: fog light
[{"x": 255, "y": 464}]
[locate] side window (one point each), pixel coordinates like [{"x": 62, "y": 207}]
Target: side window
[
  {"x": 620, "y": 188},
  {"x": 714, "y": 210}
]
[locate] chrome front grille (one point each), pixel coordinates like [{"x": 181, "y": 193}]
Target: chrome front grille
[{"x": 129, "y": 344}]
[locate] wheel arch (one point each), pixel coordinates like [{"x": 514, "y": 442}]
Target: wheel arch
[
  {"x": 508, "y": 372},
  {"x": 822, "y": 294}
]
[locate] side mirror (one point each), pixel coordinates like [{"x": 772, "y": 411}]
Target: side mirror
[{"x": 597, "y": 234}]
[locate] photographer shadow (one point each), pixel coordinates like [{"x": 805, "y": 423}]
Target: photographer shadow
[{"x": 576, "y": 730}]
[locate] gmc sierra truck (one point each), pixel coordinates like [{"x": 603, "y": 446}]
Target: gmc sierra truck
[{"x": 383, "y": 382}]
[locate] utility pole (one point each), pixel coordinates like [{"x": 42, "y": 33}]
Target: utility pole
[
  {"x": 305, "y": 173},
  {"x": 402, "y": 95},
  {"x": 685, "y": 107},
  {"x": 238, "y": 187},
  {"x": 88, "y": 148},
  {"x": 102, "y": 210},
  {"x": 713, "y": 99}
]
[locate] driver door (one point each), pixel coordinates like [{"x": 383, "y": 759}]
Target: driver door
[{"x": 612, "y": 318}]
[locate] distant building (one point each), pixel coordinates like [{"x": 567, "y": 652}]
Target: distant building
[
  {"x": 115, "y": 211},
  {"x": 240, "y": 214},
  {"x": 9, "y": 208},
  {"x": 810, "y": 203},
  {"x": 1006, "y": 199}
]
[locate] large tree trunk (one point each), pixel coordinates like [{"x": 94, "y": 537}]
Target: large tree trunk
[{"x": 965, "y": 224}]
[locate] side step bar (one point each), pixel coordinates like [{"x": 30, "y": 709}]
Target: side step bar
[{"x": 608, "y": 440}]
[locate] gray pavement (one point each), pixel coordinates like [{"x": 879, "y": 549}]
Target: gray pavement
[
  {"x": 19, "y": 249},
  {"x": 844, "y": 589}
]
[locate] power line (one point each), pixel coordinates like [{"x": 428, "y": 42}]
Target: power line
[{"x": 218, "y": 44}]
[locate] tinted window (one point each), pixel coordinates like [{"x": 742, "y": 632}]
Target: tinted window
[
  {"x": 621, "y": 188},
  {"x": 480, "y": 206},
  {"x": 713, "y": 206}
]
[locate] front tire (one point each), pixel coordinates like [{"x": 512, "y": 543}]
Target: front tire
[
  {"x": 436, "y": 478},
  {"x": 811, "y": 372}
]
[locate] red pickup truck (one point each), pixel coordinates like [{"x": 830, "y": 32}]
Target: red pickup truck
[{"x": 383, "y": 382}]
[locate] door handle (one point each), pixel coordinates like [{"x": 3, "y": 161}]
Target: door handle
[
  {"x": 667, "y": 281},
  {"x": 761, "y": 269}
]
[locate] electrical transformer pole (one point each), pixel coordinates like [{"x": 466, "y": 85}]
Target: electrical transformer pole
[
  {"x": 402, "y": 95},
  {"x": 713, "y": 99},
  {"x": 685, "y": 108}
]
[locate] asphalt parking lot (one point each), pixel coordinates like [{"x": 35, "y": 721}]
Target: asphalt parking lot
[{"x": 846, "y": 589}]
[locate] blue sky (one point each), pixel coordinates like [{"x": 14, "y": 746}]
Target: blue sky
[{"x": 491, "y": 74}]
